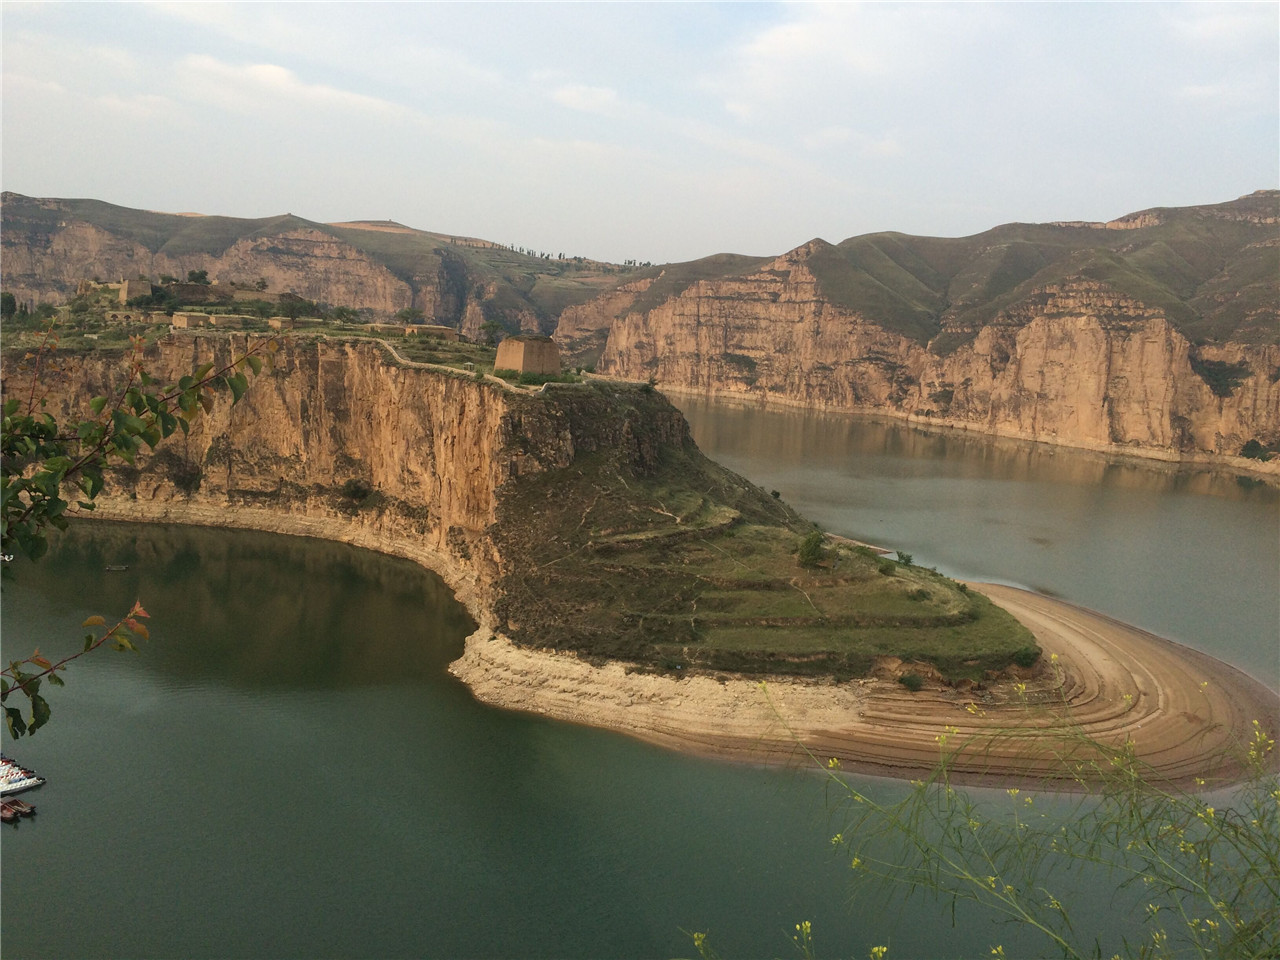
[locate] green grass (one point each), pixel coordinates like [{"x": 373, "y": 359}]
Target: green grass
[
  {"x": 672, "y": 279},
  {"x": 672, "y": 560}
]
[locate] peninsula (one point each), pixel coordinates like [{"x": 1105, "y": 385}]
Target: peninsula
[{"x": 620, "y": 578}]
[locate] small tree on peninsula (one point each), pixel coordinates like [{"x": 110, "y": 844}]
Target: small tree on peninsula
[{"x": 812, "y": 550}]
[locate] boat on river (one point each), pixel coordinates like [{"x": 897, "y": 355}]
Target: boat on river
[
  {"x": 15, "y": 778},
  {"x": 13, "y": 808}
]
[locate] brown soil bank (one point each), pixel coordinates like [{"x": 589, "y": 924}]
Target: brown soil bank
[{"x": 1187, "y": 715}]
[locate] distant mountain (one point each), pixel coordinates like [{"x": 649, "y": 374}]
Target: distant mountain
[
  {"x": 1213, "y": 271},
  {"x": 49, "y": 245},
  {"x": 1157, "y": 333}
]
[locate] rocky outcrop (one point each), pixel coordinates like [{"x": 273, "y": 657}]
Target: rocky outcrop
[
  {"x": 335, "y": 440},
  {"x": 583, "y": 328},
  {"x": 306, "y": 262}
]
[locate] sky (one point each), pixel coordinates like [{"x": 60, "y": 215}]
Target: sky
[{"x": 650, "y": 131}]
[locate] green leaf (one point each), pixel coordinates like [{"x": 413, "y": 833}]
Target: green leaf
[
  {"x": 94, "y": 621},
  {"x": 17, "y": 726},
  {"x": 255, "y": 364},
  {"x": 56, "y": 680},
  {"x": 97, "y": 404},
  {"x": 238, "y": 384},
  {"x": 39, "y": 713}
]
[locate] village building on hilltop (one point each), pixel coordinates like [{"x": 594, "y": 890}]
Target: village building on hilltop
[{"x": 527, "y": 353}]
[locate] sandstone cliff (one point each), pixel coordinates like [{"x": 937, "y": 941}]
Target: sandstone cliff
[
  {"x": 1022, "y": 337},
  {"x": 580, "y": 517},
  {"x": 507, "y": 495},
  {"x": 336, "y": 440}
]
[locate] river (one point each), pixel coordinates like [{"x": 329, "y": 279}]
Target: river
[{"x": 287, "y": 770}]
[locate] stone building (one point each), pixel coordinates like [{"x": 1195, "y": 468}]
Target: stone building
[
  {"x": 527, "y": 353},
  {"x": 134, "y": 288}
]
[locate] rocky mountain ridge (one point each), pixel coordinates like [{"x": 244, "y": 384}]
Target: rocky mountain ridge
[
  {"x": 50, "y": 245},
  {"x": 1157, "y": 333},
  {"x": 1132, "y": 347}
]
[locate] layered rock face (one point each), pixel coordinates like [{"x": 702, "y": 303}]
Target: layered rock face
[
  {"x": 306, "y": 262},
  {"x": 335, "y": 441},
  {"x": 50, "y": 245},
  {"x": 1076, "y": 363}
]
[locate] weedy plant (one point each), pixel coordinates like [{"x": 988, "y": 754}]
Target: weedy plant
[{"x": 1208, "y": 878}]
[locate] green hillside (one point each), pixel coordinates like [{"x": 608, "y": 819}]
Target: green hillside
[
  {"x": 643, "y": 550},
  {"x": 1214, "y": 270},
  {"x": 514, "y": 284}
]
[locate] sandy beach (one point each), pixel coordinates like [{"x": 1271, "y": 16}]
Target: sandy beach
[{"x": 1188, "y": 715}]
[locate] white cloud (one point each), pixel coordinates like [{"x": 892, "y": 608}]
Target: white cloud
[
  {"x": 22, "y": 85},
  {"x": 825, "y": 54},
  {"x": 381, "y": 41},
  {"x": 827, "y": 136},
  {"x": 1226, "y": 25},
  {"x": 886, "y": 146},
  {"x": 600, "y": 100},
  {"x": 139, "y": 107},
  {"x": 251, "y": 88}
]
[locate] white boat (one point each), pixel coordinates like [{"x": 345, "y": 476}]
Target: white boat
[{"x": 15, "y": 779}]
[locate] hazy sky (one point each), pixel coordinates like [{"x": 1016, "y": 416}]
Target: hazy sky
[{"x": 650, "y": 131}]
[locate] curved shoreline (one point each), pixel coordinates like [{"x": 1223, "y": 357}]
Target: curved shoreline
[{"x": 1180, "y": 729}]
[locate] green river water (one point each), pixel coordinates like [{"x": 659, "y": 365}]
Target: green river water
[{"x": 286, "y": 769}]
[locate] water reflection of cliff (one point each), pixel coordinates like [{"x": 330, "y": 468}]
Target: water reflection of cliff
[
  {"x": 321, "y": 614},
  {"x": 795, "y": 436}
]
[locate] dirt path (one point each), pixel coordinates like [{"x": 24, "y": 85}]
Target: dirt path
[{"x": 1187, "y": 715}]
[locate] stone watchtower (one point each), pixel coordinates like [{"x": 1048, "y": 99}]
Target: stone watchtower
[
  {"x": 528, "y": 354},
  {"x": 134, "y": 288}
]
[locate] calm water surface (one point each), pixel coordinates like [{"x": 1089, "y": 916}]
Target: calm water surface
[
  {"x": 1183, "y": 553},
  {"x": 286, "y": 770}
]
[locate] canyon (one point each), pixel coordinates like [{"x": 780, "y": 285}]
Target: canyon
[
  {"x": 1156, "y": 334},
  {"x": 492, "y": 487}
]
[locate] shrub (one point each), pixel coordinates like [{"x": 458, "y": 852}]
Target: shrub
[
  {"x": 885, "y": 567},
  {"x": 812, "y": 550},
  {"x": 357, "y": 490},
  {"x": 1223, "y": 379},
  {"x": 912, "y": 681},
  {"x": 905, "y": 558},
  {"x": 1255, "y": 451},
  {"x": 1026, "y": 656}
]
